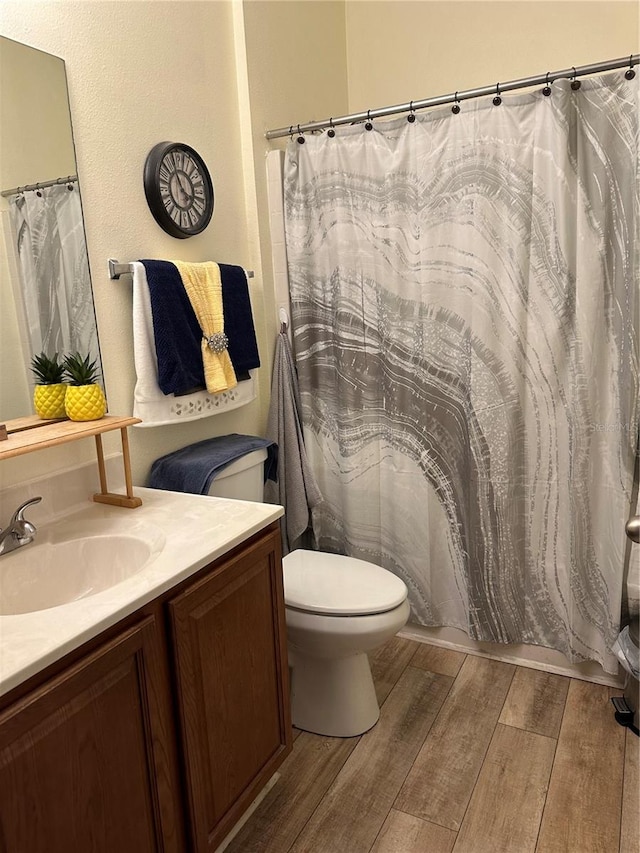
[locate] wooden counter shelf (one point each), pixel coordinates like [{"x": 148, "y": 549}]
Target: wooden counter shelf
[{"x": 26, "y": 435}]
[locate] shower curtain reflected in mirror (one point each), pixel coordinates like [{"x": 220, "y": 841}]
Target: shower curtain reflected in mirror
[
  {"x": 465, "y": 306},
  {"x": 55, "y": 286}
]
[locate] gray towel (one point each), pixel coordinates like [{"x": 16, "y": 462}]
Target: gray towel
[{"x": 296, "y": 489}]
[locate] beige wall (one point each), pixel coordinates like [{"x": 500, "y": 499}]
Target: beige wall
[
  {"x": 35, "y": 132},
  {"x": 140, "y": 73},
  {"x": 296, "y": 62},
  {"x": 399, "y": 51},
  {"x": 216, "y": 74}
]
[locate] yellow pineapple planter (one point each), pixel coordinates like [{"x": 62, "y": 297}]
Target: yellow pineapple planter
[
  {"x": 84, "y": 400},
  {"x": 50, "y": 391},
  {"x": 49, "y": 401}
]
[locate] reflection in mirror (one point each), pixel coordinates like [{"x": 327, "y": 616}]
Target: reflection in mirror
[{"x": 45, "y": 287}]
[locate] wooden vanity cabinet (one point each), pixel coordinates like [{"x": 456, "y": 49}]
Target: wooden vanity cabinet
[
  {"x": 83, "y": 757},
  {"x": 230, "y": 653},
  {"x": 89, "y": 756}
]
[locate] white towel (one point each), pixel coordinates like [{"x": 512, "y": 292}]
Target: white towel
[{"x": 149, "y": 403}]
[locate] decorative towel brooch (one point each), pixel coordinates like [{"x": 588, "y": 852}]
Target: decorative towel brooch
[{"x": 217, "y": 342}]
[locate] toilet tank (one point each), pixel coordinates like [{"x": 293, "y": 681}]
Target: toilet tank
[{"x": 243, "y": 480}]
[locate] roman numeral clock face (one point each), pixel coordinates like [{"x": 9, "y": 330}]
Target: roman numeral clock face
[{"x": 178, "y": 188}]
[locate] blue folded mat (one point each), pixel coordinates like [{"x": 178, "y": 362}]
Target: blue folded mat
[{"x": 192, "y": 468}]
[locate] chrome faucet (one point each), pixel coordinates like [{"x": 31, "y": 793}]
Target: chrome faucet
[{"x": 19, "y": 531}]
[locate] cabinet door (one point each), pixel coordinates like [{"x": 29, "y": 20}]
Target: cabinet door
[
  {"x": 77, "y": 758},
  {"x": 231, "y": 667}
]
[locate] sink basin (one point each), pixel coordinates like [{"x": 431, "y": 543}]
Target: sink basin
[{"x": 71, "y": 562}]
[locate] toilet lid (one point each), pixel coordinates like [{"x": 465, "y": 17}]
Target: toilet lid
[{"x": 335, "y": 585}]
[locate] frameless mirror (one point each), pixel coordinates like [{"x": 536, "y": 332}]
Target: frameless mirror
[{"x": 46, "y": 300}]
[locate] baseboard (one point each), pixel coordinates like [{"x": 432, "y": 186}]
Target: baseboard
[
  {"x": 534, "y": 657},
  {"x": 245, "y": 817}
]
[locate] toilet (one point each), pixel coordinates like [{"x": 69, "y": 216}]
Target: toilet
[{"x": 337, "y": 608}]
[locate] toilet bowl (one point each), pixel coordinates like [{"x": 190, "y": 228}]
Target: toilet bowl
[{"x": 337, "y": 609}]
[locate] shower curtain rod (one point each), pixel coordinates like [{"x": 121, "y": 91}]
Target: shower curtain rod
[
  {"x": 40, "y": 186},
  {"x": 495, "y": 89}
]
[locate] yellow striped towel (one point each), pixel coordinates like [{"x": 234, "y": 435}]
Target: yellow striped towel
[{"x": 204, "y": 289}]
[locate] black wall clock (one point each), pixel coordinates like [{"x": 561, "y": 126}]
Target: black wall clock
[{"x": 178, "y": 188}]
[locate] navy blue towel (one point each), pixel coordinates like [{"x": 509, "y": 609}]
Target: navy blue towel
[
  {"x": 175, "y": 329},
  {"x": 192, "y": 468},
  {"x": 178, "y": 334},
  {"x": 238, "y": 319}
]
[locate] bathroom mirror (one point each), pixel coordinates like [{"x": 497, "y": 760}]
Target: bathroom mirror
[{"x": 46, "y": 299}]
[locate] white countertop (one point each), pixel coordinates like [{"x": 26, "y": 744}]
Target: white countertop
[{"x": 196, "y": 530}]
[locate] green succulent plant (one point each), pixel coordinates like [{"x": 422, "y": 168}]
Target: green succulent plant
[
  {"x": 47, "y": 369},
  {"x": 79, "y": 370}
]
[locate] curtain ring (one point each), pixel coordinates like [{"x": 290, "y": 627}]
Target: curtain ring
[
  {"x": 412, "y": 116},
  {"x": 630, "y": 73},
  {"x": 575, "y": 84},
  {"x": 455, "y": 109},
  {"x": 300, "y": 137},
  {"x": 368, "y": 125},
  {"x": 497, "y": 100},
  {"x": 291, "y": 131},
  {"x": 547, "y": 87},
  {"x": 331, "y": 132}
]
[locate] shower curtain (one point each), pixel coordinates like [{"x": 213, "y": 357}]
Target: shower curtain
[
  {"x": 54, "y": 271},
  {"x": 465, "y": 305}
]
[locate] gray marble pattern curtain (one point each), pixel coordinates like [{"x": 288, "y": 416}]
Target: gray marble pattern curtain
[
  {"x": 465, "y": 309},
  {"x": 54, "y": 271}
]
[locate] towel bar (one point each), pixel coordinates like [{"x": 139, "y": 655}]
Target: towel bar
[{"x": 117, "y": 269}]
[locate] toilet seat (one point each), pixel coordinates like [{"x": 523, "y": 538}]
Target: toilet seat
[{"x": 335, "y": 585}]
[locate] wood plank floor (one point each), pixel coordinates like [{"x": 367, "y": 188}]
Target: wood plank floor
[{"x": 469, "y": 756}]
